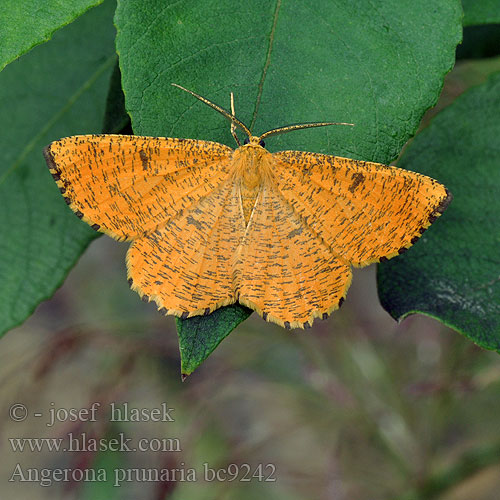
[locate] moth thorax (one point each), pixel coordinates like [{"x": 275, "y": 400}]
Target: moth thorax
[{"x": 252, "y": 165}]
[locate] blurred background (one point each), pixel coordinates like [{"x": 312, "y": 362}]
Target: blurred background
[{"x": 359, "y": 407}]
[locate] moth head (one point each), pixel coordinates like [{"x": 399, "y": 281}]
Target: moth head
[{"x": 254, "y": 141}]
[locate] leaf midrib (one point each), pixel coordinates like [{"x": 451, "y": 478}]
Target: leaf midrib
[{"x": 266, "y": 64}]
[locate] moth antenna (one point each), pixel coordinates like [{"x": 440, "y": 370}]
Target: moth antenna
[
  {"x": 233, "y": 126},
  {"x": 222, "y": 111},
  {"x": 291, "y": 128}
]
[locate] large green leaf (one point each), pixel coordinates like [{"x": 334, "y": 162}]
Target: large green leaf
[
  {"x": 56, "y": 90},
  {"x": 453, "y": 273},
  {"x": 379, "y": 65},
  {"x": 26, "y": 23},
  {"x": 481, "y": 12}
]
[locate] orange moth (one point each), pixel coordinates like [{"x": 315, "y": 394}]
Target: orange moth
[{"x": 211, "y": 226}]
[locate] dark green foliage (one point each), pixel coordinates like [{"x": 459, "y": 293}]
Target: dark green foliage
[
  {"x": 26, "y": 23},
  {"x": 56, "y": 90},
  {"x": 480, "y": 41},
  {"x": 380, "y": 66},
  {"x": 453, "y": 272},
  {"x": 481, "y": 12}
]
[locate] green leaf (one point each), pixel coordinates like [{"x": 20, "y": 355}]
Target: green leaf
[
  {"x": 453, "y": 273},
  {"x": 379, "y": 65},
  {"x": 58, "y": 89},
  {"x": 26, "y": 23},
  {"x": 481, "y": 12},
  {"x": 200, "y": 335}
]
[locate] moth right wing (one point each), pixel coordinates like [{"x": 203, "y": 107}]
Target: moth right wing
[
  {"x": 126, "y": 186},
  {"x": 363, "y": 211}
]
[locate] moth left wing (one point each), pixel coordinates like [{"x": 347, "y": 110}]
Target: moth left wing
[
  {"x": 186, "y": 267},
  {"x": 363, "y": 211},
  {"x": 126, "y": 186}
]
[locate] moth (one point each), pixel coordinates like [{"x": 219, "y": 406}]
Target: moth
[{"x": 211, "y": 225}]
